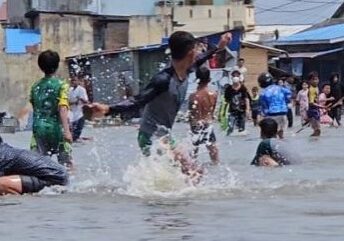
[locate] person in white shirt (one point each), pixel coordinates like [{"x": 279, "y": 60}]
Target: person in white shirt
[
  {"x": 241, "y": 67},
  {"x": 77, "y": 98}
]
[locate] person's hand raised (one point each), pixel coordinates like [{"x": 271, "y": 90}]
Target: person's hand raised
[{"x": 225, "y": 40}]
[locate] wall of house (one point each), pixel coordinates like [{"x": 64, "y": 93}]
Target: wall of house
[
  {"x": 69, "y": 35},
  {"x": 116, "y": 35},
  {"x": 211, "y": 18},
  {"x": 64, "y": 5},
  {"x": 256, "y": 62},
  {"x": 127, "y": 8},
  {"x": 16, "y": 10},
  {"x": 17, "y": 74},
  {"x": 147, "y": 30}
]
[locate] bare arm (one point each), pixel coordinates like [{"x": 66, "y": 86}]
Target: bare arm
[
  {"x": 192, "y": 107},
  {"x": 63, "y": 111},
  {"x": 65, "y": 125}
]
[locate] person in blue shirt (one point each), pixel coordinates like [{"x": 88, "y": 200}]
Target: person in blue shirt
[{"x": 274, "y": 101}]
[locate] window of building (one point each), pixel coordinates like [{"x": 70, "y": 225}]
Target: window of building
[
  {"x": 191, "y": 13},
  {"x": 228, "y": 13},
  {"x": 209, "y": 13}
]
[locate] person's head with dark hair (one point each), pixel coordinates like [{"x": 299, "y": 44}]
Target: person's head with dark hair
[
  {"x": 48, "y": 62},
  {"x": 255, "y": 91},
  {"x": 241, "y": 62},
  {"x": 334, "y": 78},
  {"x": 182, "y": 45},
  {"x": 74, "y": 80},
  {"x": 326, "y": 89},
  {"x": 268, "y": 128},
  {"x": 313, "y": 78},
  {"x": 304, "y": 85},
  {"x": 265, "y": 79},
  {"x": 203, "y": 75}
]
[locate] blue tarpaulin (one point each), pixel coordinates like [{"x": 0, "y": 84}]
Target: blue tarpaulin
[{"x": 16, "y": 40}]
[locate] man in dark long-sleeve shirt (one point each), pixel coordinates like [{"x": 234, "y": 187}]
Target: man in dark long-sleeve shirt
[{"x": 163, "y": 96}]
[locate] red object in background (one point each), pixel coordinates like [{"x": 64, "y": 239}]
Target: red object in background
[{"x": 213, "y": 63}]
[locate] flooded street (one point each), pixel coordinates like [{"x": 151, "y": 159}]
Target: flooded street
[{"x": 116, "y": 194}]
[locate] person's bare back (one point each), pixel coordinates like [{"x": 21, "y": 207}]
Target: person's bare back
[{"x": 202, "y": 106}]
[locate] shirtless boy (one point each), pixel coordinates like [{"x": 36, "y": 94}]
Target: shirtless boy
[{"x": 202, "y": 105}]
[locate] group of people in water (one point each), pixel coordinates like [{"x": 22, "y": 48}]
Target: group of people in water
[{"x": 29, "y": 171}]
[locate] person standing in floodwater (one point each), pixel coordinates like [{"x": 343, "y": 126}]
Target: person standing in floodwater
[
  {"x": 77, "y": 98},
  {"x": 165, "y": 93},
  {"x": 274, "y": 101},
  {"x": 302, "y": 101},
  {"x": 313, "y": 113},
  {"x": 337, "y": 91},
  {"x": 202, "y": 105},
  {"x": 49, "y": 99}
]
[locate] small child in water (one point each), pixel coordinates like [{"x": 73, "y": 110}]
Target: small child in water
[
  {"x": 255, "y": 107},
  {"x": 302, "y": 101},
  {"x": 325, "y": 101},
  {"x": 269, "y": 151}
]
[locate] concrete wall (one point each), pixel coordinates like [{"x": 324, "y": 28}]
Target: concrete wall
[
  {"x": 145, "y": 30},
  {"x": 16, "y": 10},
  {"x": 17, "y": 74},
  {"x": 68, "y": 34},
  {"x": 64, "y": 5},
  {"x": 127, "y": 8},
  {"x": 256, "y": 62},
  {"x": 211, "y": 18},
  {"x": 116, "y": 35}
]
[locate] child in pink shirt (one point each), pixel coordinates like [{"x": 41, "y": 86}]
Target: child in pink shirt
[
  {"x": 302, "y": 99},
  {"x": 324, "y": 102}
]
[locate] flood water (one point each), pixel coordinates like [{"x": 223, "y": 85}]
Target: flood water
[{"x": 118, "y": 195}]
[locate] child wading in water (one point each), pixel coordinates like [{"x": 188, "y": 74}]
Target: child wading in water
[
  {"x": 302, "y": 101},
  {"x": 202, "y": 105},
  {"x": 313, "y": 113},
  {"x": 270, "y": 151},
  {"x": 255, "y": 107},
  {"x": 49, "y": 99},
  {"x": 325, "y": 103}
]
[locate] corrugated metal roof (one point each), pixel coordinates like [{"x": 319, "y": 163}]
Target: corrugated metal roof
[
  {"x": 291, "y": 12},
  {"x": 312, "y": 55},
  {"x": 18, "y": 39},
  {"x": 3, "y": 11},
  {"x": 327, "y": 34}
]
